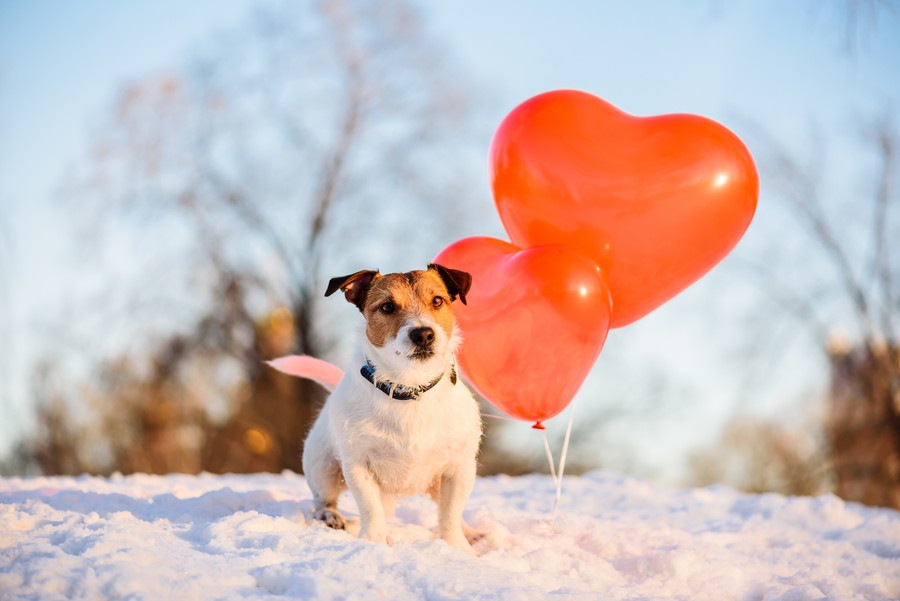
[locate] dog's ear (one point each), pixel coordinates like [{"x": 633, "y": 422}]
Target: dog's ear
[
  {"x": 354, "y": 286},
  {"x": 457, "y": 282}
]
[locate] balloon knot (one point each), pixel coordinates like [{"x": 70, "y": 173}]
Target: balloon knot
[{"x": 538, "y": 426}]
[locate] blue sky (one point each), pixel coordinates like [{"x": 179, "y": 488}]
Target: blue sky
[{"x": 781, "y": 64}]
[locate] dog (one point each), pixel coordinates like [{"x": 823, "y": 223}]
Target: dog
[{"x": 399, "y": 421}]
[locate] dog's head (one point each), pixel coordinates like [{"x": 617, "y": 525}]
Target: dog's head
[{"x": 409, "y": 323}]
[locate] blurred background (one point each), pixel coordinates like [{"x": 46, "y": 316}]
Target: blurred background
[{"x": 178, "y": 182}]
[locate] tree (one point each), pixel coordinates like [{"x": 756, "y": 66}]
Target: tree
[
  {"x": 318, "y": 139},
  {"x": 757, "y": 455},
  {"x": 851, "y": 277}
]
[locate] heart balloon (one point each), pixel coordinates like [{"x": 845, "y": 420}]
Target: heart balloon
[
  {"x": 534, "y": 323},
  {"x": 656, "y": 202}
]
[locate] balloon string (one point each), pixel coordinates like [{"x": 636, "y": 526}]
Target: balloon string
[
  {"x": 509, "y": 419},
  {"x": 557, "y": 480},
  {"x": 562, "y": 459},
  {"x": 550, "y": 459}
]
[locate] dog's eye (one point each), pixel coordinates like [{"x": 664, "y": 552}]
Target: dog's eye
[
  {"x": 387, "y": 308},
  {"x": 437, "y": 302}
]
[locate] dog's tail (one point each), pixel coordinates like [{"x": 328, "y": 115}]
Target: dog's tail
[{"x": 304, "y": 366}]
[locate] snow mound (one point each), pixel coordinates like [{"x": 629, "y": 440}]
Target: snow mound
[{"x": 246, "y": 537}]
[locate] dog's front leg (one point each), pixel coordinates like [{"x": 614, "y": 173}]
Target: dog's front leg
[
  {"x": 455, "y": 489},
  {"x": 367, "y": 493}
]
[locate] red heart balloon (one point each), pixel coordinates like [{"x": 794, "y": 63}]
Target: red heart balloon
[
  {"x": 534, "y": 323},
  {"x": 656, "y": 202}
]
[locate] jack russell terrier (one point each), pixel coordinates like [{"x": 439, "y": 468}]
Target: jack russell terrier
[{"x": 398, "y": 422}]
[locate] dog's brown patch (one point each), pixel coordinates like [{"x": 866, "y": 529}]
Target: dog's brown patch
[
  {"x": 429, "y": 286},
  {"x": 401, "y": 298}
]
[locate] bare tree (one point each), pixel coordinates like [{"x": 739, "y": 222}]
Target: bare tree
[
  {"x": 315, "y": 140},
  {"x": 7, "y": 257},
  {"x": 861, "y": 18},
  {"x": 758, "y": 455},
  {"x": 318, "y": 123},
  {"x": 851, "y": 279}
]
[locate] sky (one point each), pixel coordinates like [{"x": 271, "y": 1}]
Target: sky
[{"x": 789, "y": 66}]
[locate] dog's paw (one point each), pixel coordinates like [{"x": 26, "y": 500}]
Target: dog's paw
[
  {"x": 462, "y": 544},
  {"x": 473, "y": 536},
  {"x": 331, "y": 518},
  {"x": 374, "y": 534}
]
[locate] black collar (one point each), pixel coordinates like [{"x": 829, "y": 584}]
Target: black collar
[{"x": 400, "y": 391}]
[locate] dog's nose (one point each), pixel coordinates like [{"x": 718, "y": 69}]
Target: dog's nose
[{"x": 422, "y": 337}]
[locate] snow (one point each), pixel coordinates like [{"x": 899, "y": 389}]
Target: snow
[{"x": 614, "y": 537}]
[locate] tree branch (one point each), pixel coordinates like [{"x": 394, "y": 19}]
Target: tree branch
[
  {"x": 802, "y": 194},
  {"x": 887, "y": 145}
]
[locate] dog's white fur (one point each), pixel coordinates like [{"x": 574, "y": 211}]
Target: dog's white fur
[{"x": 382, "y": 448}]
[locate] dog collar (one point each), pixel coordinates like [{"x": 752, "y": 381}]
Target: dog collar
[{"x": 400, "y": 391}]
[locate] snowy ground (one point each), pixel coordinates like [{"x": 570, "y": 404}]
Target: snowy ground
[{"x": 237, "y": 537}]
